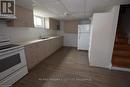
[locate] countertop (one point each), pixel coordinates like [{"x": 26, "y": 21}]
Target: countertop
[{"x": 24, "y": 43}]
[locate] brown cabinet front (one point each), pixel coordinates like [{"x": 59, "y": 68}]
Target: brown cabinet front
[{"x": 24, "y": 18}]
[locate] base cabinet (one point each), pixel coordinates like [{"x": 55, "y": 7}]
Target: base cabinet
[{"x": 37, "y": 52}]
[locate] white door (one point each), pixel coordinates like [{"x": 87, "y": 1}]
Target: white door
[{"x": 83, "y": 41}]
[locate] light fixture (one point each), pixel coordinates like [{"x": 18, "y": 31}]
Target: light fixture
[{"x": 66, "y": 14}]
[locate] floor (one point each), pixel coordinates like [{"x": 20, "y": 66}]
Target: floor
[{"x": 69, "y": 68}]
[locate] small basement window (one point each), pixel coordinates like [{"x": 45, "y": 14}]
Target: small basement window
[{"x": 39, "y": 22}]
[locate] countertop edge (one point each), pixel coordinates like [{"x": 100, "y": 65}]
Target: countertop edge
[{"x": 36, "y": 41}]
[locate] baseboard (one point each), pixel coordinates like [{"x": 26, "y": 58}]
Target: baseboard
[
  {"x": 82, "y": 49},
  {"x": 70, "y": 46},
  {"x": 120, "y": 69},
  {"x": 110, "y": 66}
]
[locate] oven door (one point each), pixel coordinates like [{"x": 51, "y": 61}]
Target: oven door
[{"x": 11, "y": 61}]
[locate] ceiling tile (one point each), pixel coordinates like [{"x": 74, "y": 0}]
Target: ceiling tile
[
  {"x": 45, "y": 1},
  {"x": 77, "y": 8},
  {"x": 74, "y": 5},
  {"x": 97, "y": 4},
  {"x": 56, "y": 7},
  {"x": 25, "y": 3}
]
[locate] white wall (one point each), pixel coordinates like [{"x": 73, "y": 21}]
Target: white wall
[
  {"x": 21, "y": 34},
  {"x": 103, "y": 32},
  {"x": 69, "y": 39}
]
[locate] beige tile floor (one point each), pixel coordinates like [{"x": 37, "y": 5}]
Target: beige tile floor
[{"x": 69, "y": 68}]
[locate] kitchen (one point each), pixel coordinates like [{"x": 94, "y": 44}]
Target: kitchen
[{"x": 38, "y": 45}]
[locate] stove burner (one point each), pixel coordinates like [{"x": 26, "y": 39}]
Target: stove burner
[{"x": 8, "y": 46}]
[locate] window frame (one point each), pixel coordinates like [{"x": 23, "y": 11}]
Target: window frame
[{"x": 42, "y": 21}]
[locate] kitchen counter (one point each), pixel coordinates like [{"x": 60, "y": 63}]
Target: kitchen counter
[
  {"x": 24, "y": 43},
  {"x": 37, "y": 50}
]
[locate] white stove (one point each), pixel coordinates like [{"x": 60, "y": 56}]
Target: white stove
[{"x": 12, "y": 63}]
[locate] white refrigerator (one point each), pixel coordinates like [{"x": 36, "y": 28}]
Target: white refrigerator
[{"x": 83, "y": 37}]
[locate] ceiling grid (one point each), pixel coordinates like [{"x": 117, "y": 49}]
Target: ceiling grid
[{"x": 71, "y": 9}]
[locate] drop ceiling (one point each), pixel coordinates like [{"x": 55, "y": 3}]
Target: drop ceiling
[{"x": 75, "y": 9}]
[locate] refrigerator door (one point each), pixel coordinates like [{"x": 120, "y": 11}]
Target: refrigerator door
[{"x": 83, "y": 41}]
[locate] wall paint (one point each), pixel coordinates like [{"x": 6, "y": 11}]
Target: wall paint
[
  {"x": 103, "y": 31},
  {"x": 22, "y": 34},
  {"x": 69, "y": 39}
]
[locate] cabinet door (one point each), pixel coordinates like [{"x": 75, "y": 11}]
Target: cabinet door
[
  {"x": 37, "y": 52},
  {"x": 42, "y": 51},
  {"x": 71, "y": 26},
  {"x": 31, "y": 55},
  {"x": 24, "y": 18},
  {"x": 54, "y": 24}
]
